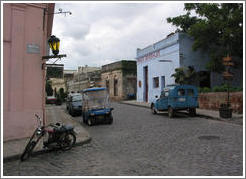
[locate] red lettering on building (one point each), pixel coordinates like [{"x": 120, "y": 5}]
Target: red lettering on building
[{"x": 149, "y": 56}]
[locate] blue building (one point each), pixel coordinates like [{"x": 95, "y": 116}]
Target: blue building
[{"x": 157, "y": 62}]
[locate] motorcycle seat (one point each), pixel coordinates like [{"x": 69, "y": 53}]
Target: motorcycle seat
[
  {"x": 64, "y": 128},
  {"x": 68, "y": 127}
]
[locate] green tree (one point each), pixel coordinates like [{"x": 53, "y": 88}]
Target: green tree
[
  {"x": 216, "y": 28},
  {"x": 185, "y": 75},
  {"x": 48, "y": 88},
  {"x": 62, "y": 94},
  {"x": 179, "y": 76}
]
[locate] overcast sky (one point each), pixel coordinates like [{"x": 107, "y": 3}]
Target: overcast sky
[{"x": 101, "y": 33}]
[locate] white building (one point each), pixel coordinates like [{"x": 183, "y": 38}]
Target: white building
[{"x": 157, "y": 62}]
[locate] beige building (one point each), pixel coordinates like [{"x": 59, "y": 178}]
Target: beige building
[
  {"x": 68, "y": 76},
  {"x": 120, "y": 79},
  {"x": 58, "y": 83},
  {"x": 83, "y": 78}
]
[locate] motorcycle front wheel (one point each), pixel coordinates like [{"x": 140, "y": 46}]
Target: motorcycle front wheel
[
  {"x": 28, "y": 150},
  {"x": 68, "y": 141}
]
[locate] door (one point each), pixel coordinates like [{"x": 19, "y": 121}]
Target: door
[
  {"x": 163, "y": 102},
  {"x": 163, "y": 82},
  {"x": 146, "y": 86}
]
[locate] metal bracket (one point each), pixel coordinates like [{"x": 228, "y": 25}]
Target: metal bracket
[{"x": 53, "y": 56}]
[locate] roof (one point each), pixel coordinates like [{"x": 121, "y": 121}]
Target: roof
[
  {"x": 74, "y": 94},
  {"x": 173, "y": 86},
  {"x": 93, "y": 89}
]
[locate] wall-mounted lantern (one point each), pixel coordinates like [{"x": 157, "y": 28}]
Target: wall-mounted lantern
[{"x": 54, "y": 44}]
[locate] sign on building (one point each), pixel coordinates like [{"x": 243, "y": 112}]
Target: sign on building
[
  {"x": 33, "y": 48},
  {"x": 54, "y": 70}
]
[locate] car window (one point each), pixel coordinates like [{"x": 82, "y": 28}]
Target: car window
[
  {"x": 181, "y": 92},
  {"x": 190, "y": 92},
  {"x": 162, "y": 94},
  {"x": 77, "y": 98}
]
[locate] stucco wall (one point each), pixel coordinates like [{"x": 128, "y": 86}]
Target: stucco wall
[
  {"x": 199, "y": 59},
  {"x": 129, "y": 85},
  {"x": 110, "y": 76},
  {"x": 169, "y": 50},
  {"x": 212, "y": 101},
  {"x": 22, "y": 74},
  {"x": 189, "y": 57}
]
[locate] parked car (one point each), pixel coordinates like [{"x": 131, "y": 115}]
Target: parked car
[
  {"x": 74, "y": 104},
  {"x": 50, "y": 100},
  {"x": 175, "y": 98},
  {"x": 96, "y": 107}
]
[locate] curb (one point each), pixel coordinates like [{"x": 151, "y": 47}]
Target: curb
[
  {"x": 198, "y": 115},
  {"x": 17, "y": 157},
  {"x": 135, "y": 105}
]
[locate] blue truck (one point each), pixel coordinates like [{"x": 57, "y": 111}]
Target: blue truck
[
  {"x": 96, "y": 107},
  {"x": 175, "y": 98}
]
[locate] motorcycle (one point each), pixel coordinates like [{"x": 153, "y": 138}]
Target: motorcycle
[{"x": 57, "y": 136}]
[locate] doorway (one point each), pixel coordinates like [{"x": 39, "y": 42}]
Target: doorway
[
  {"x": 204, "y": 77},
  {"x": 146, "y": 86},
  {"x": 163, "y": 83}
]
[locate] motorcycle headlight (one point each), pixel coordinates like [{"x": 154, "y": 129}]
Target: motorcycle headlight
[{"x": 39, "y": 131}]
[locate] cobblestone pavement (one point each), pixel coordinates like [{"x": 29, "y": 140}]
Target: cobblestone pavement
[{"x": 139, "y": 143}]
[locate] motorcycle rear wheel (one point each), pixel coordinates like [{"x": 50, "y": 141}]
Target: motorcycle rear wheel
[{"x": 68, "y": 141}]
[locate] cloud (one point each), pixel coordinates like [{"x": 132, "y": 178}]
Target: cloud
[
  {"x": 77, "y": 31},
  {"x": 100, "y": 33}
]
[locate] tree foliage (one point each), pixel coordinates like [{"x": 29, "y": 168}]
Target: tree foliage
[
  {"x": 48, "y": 88},
  {"x": 185, "y": 75},
  {"x": 62, "y": 93},
  {"x": 216, "y": 29}
]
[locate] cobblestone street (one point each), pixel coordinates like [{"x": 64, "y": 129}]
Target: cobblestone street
[{"x": 140, "y": 143}]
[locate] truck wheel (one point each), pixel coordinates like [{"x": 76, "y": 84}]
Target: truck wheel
[
  {"x": 83, "y": 116},
  {"x": 72, "y": 112},
  {"x": 90, "y": 121},
  {"x": 170, "y": 112},
  {"x": 110, "y": 120},
  {"x": 192, "y": 112},
  {"x": 153, "y": 110}
]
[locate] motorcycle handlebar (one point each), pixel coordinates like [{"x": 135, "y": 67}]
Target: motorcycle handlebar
[
  {"x": 53, "y": 125},
  {"x": 37, "y": 116}
]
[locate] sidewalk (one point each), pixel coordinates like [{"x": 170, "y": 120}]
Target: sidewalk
[
  {"x": 236, "y": 118},
  {"x": 14, "y": 148}
]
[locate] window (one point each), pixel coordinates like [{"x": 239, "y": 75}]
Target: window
[
  {"x": 115, "y": 87},
  {"x": 107, "y": 84},
  {"x": 164, "y": 94},
  {"x": 139, "y": 84},
  {"x": 181, "y": 92},
  {"x": 163, "y": 82},
  {"x": 190, "y": 92},
  {"x": 156, "y": 82}
]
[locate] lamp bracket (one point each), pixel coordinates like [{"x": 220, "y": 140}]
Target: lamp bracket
[
  {"x": 60, "y": 12},
  {"x": 53, "y": 56}
]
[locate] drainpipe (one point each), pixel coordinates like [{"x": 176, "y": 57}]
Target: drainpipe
[{"x": 44, "y": 65}]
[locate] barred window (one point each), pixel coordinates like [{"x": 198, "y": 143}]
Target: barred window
[{"x": 156, "y": 82}]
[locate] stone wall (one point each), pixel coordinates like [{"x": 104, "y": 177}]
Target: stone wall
[
  {"x": 212, "y": 101},
  {"x": 111, "y": 76}
]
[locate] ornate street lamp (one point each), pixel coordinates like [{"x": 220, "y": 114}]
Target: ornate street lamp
[
  {"x": 225, "y": 108},
  {"x": 54, "y": 44}
]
